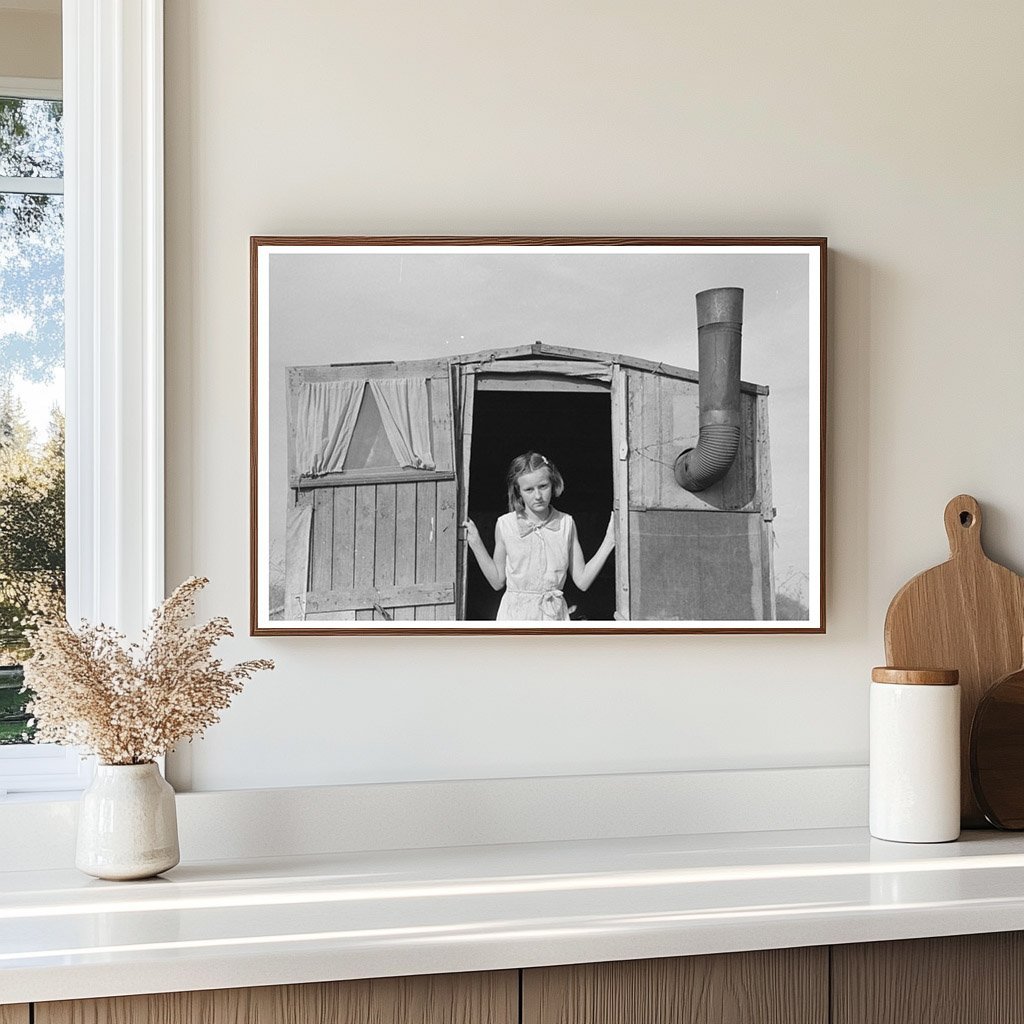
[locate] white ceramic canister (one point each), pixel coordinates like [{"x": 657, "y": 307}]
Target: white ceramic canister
[{"x": 915, "y": 755}]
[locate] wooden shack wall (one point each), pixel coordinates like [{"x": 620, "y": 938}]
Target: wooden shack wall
[
  {"x": 696, "y": 556},
  {"x": 663, "y": 420},
  {"x": 390, "y": 541}
]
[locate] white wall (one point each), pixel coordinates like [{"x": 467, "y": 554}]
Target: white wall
[{"x": 894, "y": 129}]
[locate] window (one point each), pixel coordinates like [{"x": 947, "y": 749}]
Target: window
[
  {"x": 113, "y": 335},
  {"x": 31, "y": 382},
  {"x": 32, "y": 535}
]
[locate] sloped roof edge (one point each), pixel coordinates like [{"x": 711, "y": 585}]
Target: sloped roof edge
[{"x": 540, "y": 350}]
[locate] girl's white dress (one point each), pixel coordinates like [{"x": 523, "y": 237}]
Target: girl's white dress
[{"x": 536, "y": 564}]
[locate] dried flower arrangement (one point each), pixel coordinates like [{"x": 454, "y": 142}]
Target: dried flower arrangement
[{"x": 129, "y": 704}]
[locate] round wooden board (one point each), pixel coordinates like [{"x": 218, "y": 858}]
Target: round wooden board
[{"x": 997, "y": 752}]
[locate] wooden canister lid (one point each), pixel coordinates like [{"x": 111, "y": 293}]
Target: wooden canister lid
[{"x": 916, "y": 676}]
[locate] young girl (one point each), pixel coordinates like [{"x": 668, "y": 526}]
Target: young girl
[{"x": 535, "y": 545}]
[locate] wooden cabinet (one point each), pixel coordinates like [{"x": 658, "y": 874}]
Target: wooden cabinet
[
  {"x": 963, "y": 979},
  {"x": 777, "y": 986},
  {"x": 968, "y": 979},
  {"x": 491, "y": 998}
]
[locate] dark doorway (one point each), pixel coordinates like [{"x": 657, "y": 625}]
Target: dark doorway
[{"x": 574, "y": 430}]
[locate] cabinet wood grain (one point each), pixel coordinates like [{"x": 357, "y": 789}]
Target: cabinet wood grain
[
  {"x": 962, "y": 979},
  {"x": 479, "y": 998},
  {"x": 14, "y": 1014},
  {"x": 779, "y": 986}
]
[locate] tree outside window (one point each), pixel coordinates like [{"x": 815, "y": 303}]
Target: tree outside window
[{"x": 31, "y": 386}]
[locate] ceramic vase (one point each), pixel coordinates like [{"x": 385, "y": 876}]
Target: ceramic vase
[{"x": 127, "y": 825}]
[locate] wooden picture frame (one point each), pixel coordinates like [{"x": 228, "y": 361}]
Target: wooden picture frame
[{"x": 393, "y": 379}]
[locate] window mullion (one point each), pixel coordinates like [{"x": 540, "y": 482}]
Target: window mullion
[{"x": 32, "y": 186}]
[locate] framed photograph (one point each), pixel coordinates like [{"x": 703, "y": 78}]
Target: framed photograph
[{"x": 537, "y": 435}]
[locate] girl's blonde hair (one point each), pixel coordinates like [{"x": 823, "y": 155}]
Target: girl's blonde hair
[{"x": 530, "y": 462}]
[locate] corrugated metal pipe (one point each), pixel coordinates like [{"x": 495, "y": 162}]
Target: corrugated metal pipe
[{"x": 719, "y": 326}]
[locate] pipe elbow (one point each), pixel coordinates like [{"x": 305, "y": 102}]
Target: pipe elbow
[{"x": 697, "y": 468}]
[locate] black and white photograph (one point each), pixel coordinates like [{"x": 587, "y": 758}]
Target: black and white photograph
[{"x": 537, "y": 434}]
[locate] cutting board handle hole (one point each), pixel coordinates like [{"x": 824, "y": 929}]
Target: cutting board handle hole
[{"x": 966, "y": 519}]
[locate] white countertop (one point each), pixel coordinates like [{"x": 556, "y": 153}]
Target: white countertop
[{"x": 225, "y": 924}]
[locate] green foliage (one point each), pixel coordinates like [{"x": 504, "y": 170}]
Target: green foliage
[
  {"x": 14, "y": 720},
  {"x": 31, "y": 138},
  {"x": 31, "y": 524}
]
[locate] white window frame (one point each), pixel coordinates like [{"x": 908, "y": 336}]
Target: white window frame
[{"x": 114, "y": 337}]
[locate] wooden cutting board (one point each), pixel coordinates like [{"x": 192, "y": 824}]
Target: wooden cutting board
[{"x": 967, "y": 614}]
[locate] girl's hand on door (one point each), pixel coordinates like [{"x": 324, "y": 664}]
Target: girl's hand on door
[
  {"x": 472, "y": 533},
  {"x": 609, "y": 534}
]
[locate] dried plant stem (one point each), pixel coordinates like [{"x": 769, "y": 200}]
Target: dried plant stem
[{"x": 130, "y": 703}]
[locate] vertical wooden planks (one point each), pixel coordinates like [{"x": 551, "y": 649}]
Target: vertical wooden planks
[
  {"x": 467, "y": 391},
  {"x": 446, "y": 534},
  {"x": 295, "y": 381},
  {"x": 620, "y": 487},
  {"x": 757, "y": 575},
  {"x": 636, "y": 603},
  {"x": 652, "y": 440},
  {"x": 763, "y": 462},
  {"x": 634, "y": 426},
  {"x": 738, "y": 483},
  {"x": 14, "y": 1014},
  {"x": 663, "y": 481},
  {"x": 748, "y": 492},
  {"x": 384, "y": 547},
  {"x": 384, "y": 544},
  {"x": 344, "y": 537},
  {"x": 366, "y": 513},
  {"x": 322, "y": 553},
  {"x": 344, "y": 542},
  {"x": 297, "y": 583},
  {"x": 426, "y": 541},
  {"x": 405, "y": 543},
  {"x": 446, "y": 543}
]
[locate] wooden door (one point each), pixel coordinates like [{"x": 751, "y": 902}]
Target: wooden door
[
  {"x": 15, "y": 1014},
  {"x": 781, "y": 986},
  {"x": 464, "y": 387},
  {"x": 481, "y": 998},
  {"x": 620, "y": 471},
  {"x": 383, "y": 538}
]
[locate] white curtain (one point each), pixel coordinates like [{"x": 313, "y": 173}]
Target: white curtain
[
  {"x": 325, "y": 419},
  {"x": 405, "y": 413},
  {"x": 296, "y": 561}
]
